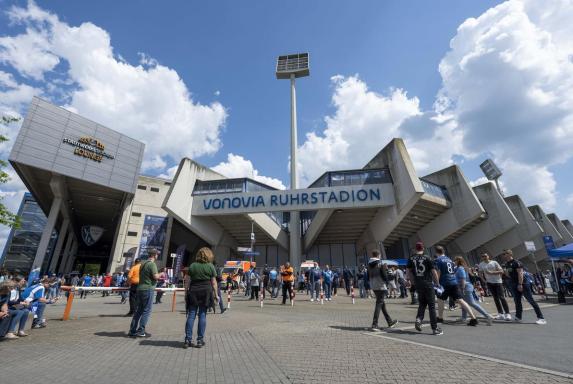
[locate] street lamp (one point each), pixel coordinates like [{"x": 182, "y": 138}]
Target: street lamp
[{"x": 291, "y": 67}]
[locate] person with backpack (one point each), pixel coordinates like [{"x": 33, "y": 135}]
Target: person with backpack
[
  {"x": 520, "y": 287},
  {"x": 378, "y": 277},
  {"x": 327, "y": 276}
]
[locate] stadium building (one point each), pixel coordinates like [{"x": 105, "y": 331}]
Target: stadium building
[{"x": 95, "y": 212}]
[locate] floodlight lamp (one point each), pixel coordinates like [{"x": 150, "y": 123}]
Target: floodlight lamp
[{"x": 296, "y": 64}]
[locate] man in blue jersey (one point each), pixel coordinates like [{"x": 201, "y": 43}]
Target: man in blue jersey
[
  {"x": 33, "y": 296},
  {"x": 447, "y": 275}
]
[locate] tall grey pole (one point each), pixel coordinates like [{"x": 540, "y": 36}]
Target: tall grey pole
[{"x": 294, "y": 226}]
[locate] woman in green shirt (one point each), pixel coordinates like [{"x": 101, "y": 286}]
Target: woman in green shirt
[{"x": 202, "y": 293}]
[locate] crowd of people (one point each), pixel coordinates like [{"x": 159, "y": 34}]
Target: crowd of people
[
  {"x": 19, "y": 300},
  {"x": 426, "y": 279}
]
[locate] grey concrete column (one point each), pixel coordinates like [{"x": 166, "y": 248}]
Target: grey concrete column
[
  {"x": 47, "y": 233},
  {"x": 72, "y": 257},
  {"x": 58, "y": 248},
  {"x": 67, "y": 250}
]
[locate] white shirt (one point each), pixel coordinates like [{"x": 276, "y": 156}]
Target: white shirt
[{"x": 492, "y": 266}]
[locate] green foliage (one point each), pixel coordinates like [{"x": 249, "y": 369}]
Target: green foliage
[{"x": 6, "y": 217}]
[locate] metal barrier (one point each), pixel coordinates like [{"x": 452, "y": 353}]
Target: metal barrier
[{"x": 73, "y": 290}]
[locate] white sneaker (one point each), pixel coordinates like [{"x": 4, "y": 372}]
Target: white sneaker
[
  {"x": 507, "y": 317},
  {"x": 10, "y": 335},
  {"x": 541, "y": 322},
  {"x": 499, "y": 316},
  {"x": 311, "y": 299}
]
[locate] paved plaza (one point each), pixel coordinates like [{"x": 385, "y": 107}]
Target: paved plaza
[{"x": 307, "y": 343}]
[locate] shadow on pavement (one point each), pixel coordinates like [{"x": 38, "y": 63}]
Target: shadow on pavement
[
  {"x": 111, "y": 334},
  {"x": 356, "y": 329},
  {"x": 162, "y": 343},
  {"x": 123, "y": 315}
]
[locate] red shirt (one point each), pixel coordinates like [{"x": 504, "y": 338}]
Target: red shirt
[{"x": 107, "y": 281}]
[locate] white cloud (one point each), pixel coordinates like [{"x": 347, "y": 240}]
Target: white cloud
[
  {"x": 569, "y": 200},
  {"x": 238, "y": 166},
  {"x": 156, "y": 162},
  {"x": 149, "y": 101},
  {"x": 169, "y": 173},
  {"x": 363, "y": 122},
  {"x": 507, "y": 81}
]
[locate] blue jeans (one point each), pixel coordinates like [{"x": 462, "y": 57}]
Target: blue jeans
[
  {"x": 315, "y": 290},
  {"x": 361, "y": 289},
  {"x": 221, "y": 306},
  {"x": 39, "y": 314},
  {"x": 142, "y": 311},
  {"x": 528, "y": 294},
  {"x": 19, "y": 317},
  {"x": 191, "y": 314},
  {"x": 327, "y": 289},
  {"x": 469, "y": 298}
]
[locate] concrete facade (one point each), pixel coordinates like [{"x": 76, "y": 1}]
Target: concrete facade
[{"x": 83, "y": 174}]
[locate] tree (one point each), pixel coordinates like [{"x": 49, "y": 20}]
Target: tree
[{"x": 6, "y": 217}]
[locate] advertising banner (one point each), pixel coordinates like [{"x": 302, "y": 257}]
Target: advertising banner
[
  {"x": 178, "y": 262},
  {"x": 153, "y": 235}
]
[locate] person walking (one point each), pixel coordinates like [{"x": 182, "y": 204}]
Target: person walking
[
  {"x": 467, "y": 289},
  {"x": 202, "y": 292},
  {"x": 106, "y": 283},
  {"x": 87, "y": 282},
  {"x": 347, "y": 276},
  {"x": 273, "y": 283},
  {"x": 492, "y": 272},
  {"x": 161, "y": 283},
  {"x": 520, "y": 286},
  {"x": 327, "y": 276},
  {"x": 378, "y": 276},
  {"x": 133, "y": 281},
  {"x": 447, "y": 277},
  {"x": 287, "y": 275},
  {"x": 148, "y": 276},
  {"x": 255, "y": 283},
  {"x": 422, "y": 272},
  {"x": 315, "y": 276},
  {"x": 360, "y": 276}
]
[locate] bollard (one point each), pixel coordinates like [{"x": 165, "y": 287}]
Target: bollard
[
  {"x": 228, "y": 299},
  {"x": 174, "y": 301},
  {"x": 291, "y": 292},
  {"x": 321, "y": 294},
  {"x": 69, "y": 305},
  {"x": 261, "y": 297}
]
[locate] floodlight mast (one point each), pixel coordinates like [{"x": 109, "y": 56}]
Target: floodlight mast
[{"x": 291, "y": 67}]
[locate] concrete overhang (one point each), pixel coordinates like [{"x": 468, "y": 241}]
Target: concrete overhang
[
  {"x": 93, "y": 189},
  {"x": 493, "y": 233},
  {"x": 229, "y": 230},
  {"x": 561, "y": 228}
]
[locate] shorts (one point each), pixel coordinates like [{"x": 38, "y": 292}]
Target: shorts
[{"x": 452, "y": 291}]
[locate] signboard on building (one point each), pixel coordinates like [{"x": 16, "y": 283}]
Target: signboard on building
[
  {"x": 88, "y": 147},
  {"x": 153, "y": 235},
  {"x": 530, "y": 246},
  {"x": 548, "y": 241},
  {"x": 355, "y": 196}
]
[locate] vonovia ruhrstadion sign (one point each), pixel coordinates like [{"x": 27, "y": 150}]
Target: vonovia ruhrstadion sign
[{"x": 356, "y": 196}]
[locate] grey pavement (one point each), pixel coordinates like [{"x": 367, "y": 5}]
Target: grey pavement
[{"x": 307, "y": 343}]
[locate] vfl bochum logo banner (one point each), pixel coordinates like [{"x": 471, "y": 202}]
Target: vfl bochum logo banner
[
  {"x": 356, "y": 196},
  {"x": 91, "y": 234}
]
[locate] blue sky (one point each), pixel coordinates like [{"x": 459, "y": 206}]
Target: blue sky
[{"x": 197, "y": 79}]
